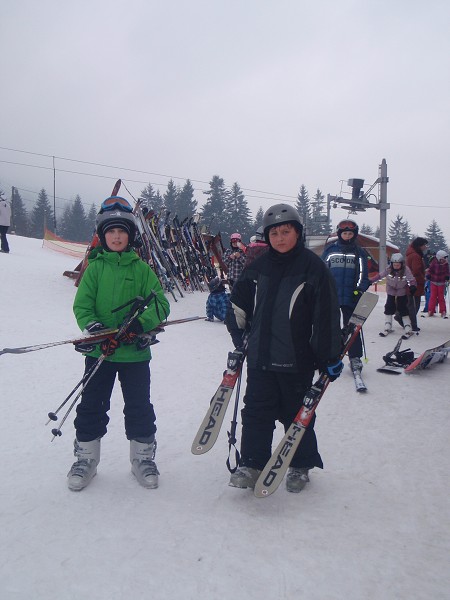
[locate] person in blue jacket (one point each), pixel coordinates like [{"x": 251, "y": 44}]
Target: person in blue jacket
[
  {"x": 218, "y": 300},
  {"x": 348, "y": 263}
]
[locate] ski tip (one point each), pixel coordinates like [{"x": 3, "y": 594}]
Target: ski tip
[
  {"x": 262, "y": 492},
  {"x": 198, "y": 449}
]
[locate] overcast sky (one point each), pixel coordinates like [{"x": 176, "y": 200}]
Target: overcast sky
[{"x": 271, "y": 94}]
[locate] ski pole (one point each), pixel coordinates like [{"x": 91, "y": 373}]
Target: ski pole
[
  {"x": 232, "y": 433},
  {"x": 139, "y": 305},
  {"x": 363, "y": 343}
]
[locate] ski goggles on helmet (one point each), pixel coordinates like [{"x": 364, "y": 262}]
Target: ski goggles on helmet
[
  {"x": 116, "y": 202},
  {"x": 347, "y": 226}
]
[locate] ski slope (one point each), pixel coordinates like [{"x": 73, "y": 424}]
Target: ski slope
[{"x": 374, "y": 524}]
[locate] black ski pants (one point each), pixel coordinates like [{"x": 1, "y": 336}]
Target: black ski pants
[
  {"x": 396, "y": 304},
  {"x": 92, "y": 419},
  {"x": 272, "y": 396},
  {"x": 4, "y": 239}
]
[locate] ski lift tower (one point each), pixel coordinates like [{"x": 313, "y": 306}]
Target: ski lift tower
[{"x": 360, "y": 202}]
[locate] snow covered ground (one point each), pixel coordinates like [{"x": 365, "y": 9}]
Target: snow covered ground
[{"x": 374, "y": 524}]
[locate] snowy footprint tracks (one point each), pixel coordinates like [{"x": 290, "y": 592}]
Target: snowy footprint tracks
[{"x": 275, "y": 470}]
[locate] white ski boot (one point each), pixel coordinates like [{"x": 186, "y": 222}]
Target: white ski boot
[
  {"x": 143, "y": 467},
  {"x": 244, "y": 477},
  {"x": 407, "y": 327},
  {"x": 296, "y": 479},
  {"x": 387, "y": 326},
  {"x": 82, "y": 471}
]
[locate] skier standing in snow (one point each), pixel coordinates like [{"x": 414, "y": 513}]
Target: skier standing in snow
[
  {"x": 398, "y": 279},
  {"x": 438, "y": 275},
  {"x": 286, "y": 301},
  {"x": 114, "y": 277},
  {"x": 348, "y": 263},
  {"x": 5, "y": 222},
  {"x": 218, "y": 300},
  {"x": 415, "y": 261},
  {"x": 234, "y": 258}
]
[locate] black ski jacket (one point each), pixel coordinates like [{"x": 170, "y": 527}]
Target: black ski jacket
[{"x": 288, "y": 304}]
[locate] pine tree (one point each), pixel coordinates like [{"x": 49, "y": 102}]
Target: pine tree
[
  {"x": 213, "y": 211},
  {"x": 78, "y": 222},
  {"x": 258, "y": 222},
  {"x": 158, "y": 202},
  {"x": 303, "y": 207},
  {"x": 186, "y": 204},
  {"x": 90, "y": 222},
  {"x": 19, "y": 216},
  {"x": 435, "y": 237},
  {"x": 319, "y": 224},
  {"x": 171, "y": 198},
  {"x": 41, "y": 216},
  {"x": 148, "y": 195},
  {"x": 64, "y": 222},
  {"x": 366, "y": 229},
  {"x": 400, "y": 233},
  {"x": 152, "y": 200},
  {"x": 238, "y": 214}
]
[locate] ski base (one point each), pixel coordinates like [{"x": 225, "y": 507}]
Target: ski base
[
  {"x": 210, "y": 427},
  {"x": 385, "y": 333},
  {"x": 359, "y": 382}
]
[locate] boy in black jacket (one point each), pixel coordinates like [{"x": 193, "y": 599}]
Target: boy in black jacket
[{"x": 286, "y": 301}]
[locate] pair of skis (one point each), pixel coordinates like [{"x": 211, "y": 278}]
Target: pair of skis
[
  {"x": 275, "y": 470},
  {"x": 94, "y": 337}
]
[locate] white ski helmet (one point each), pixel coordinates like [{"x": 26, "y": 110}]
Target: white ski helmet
[
  {"x": 397, "y": 257},
  {"x": 441, "y": 254}
]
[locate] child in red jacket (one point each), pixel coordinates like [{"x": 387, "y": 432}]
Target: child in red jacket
[{"x": 438, "y": 274}]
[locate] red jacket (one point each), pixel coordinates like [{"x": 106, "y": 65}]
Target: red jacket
[
  {"x": 438, "y": 273},
  {"x": 414, "y": 260}
]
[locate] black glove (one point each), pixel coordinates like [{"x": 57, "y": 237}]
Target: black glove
[
  {"x": 132, "y": 332},
  {"x": 235, "y": 358},
  {"x": 109, "y": 346},
  {"x": 447, "y": 278},
  {"x": 334, "y": 368},
  {"x": 95, "y": 327},
  {"x": 86, "y": 347},
  {"x": 412, "y": 289},
  {"x": 357, "y": 294},
  {"x": 427, "y": 276}
]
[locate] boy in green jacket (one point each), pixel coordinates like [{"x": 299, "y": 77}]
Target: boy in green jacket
[{"x": 115, "y": 276}]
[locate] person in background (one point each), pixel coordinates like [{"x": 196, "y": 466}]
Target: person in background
[
  {"x": 115, "y": 276},
  {"x": 234, "y": 258},
  {"x": 218, "y": 301},
  {"x": 438, "y": 275},
  {"x": 5, "y": 222},
  {"x": 399, "y": 280},
  {"x": 348, "y": 264},
  {"x": 415, "y": 261},
  {"x": 257, "y": 246},
  {"x": 286, "y": 302}
]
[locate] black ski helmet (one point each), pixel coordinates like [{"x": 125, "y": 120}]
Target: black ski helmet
[
  {"x": 347, "y": 225},
  {"x": 279, "y": 214},
  {"x": 110, "y": 219}
]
